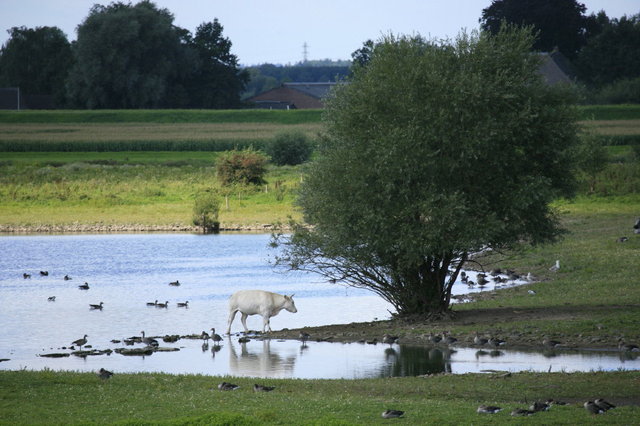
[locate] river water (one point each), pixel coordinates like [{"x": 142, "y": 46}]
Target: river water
[{"x": 126, "y": 271}]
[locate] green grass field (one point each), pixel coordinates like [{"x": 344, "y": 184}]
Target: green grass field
[{"x": 73, "y": 398}]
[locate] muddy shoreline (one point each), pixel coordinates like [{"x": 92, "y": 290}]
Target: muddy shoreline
[{"x": 488, "y": 323}]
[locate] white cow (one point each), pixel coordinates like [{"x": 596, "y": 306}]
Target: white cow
[{"x": 258, "y": 302}]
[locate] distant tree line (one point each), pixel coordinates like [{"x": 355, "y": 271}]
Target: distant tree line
[
  {"x": 133, "y": 56},
  {"x": 125, "y": 56}
]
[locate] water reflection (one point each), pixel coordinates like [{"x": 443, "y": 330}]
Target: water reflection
[{"x": 259, "y": 360}]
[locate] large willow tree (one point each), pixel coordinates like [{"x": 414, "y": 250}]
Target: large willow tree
[{"x": 432, "y": 152}]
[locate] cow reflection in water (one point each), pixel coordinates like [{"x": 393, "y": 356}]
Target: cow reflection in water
[
  {"x": 259, "y": 363},
  {"x": 416, "y": 361}
]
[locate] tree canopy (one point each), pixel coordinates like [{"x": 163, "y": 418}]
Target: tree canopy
[
  {"x": 561, "y": 23},
  {"x": 613, "y": 53},
  {"x": 125, "y": 56},
  {"x": 134, "y": 57},
  {"x": 433, "y": 152},
  {"x": 36, "y": 60}
]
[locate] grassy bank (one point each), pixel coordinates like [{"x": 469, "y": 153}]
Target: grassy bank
[
  {"x": 71, "y": 398},
  {"x": 133, "y": 188}
]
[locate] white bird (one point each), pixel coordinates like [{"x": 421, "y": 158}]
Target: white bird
[{"x": 555, "y": 267}]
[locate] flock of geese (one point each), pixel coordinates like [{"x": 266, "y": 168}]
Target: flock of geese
[
  {"x": 598, "y": 406},
  {"x": 100, "y": 305}
]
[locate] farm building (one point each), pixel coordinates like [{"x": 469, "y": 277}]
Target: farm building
[{"x": 292, "y": 96}]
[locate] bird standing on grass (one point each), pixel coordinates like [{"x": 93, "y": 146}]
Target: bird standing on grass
[
  {"x": 604, "y": 405},
  {"x": 262, "y": 388},
  {"x": 488, "y": 409},
  {"x": 392, "y": 414},
  {"x": 104, "y": 374},
  {"x": 521, "y": 412},
  {"x": 227, "y": 386},
  {"x": 592, "y": 408},
  {"x": 539, "y": 406},
  {"x": 555, "y": 267}
]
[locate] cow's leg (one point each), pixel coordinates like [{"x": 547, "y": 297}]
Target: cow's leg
[
  {"x": 266, "y": 323},
  {"x": 232, "y": 315},
  {"x": 244, "y": 321}
]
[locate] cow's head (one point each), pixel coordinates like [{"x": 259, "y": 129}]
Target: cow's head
[{"x": 289, "y": 305}]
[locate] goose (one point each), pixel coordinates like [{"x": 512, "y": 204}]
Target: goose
[
  {"x": 449, "y": 340},
  {"x": 603, "y": 405},
  {"x": 628, "y": 347},
  {"x": 67, "y": 278},
  {"x": 262, "y": 388},
  {"x": 51, "y": 298},
  {"x": 162, "y": 305},
  {"x": 480, "y": 340},
  {"x": 592, "y": 408},
  {"x": 175, "y": 283},
  {"x": 304, "y": 336},
  {"x": 149, "y": 341},
  {"x": 622, "y": 239},
  {"x": 392, "y": 414},
  {"x": 539, "y": 406},
  {"x": 215, "y": 337},
  {"x": 551, "y": 401},
  {"x": 80, "y": 342},
  {"x": 494, "y": 341},
  {"x": 104, "y": 374},
  {"x": 44, "y": 273},
  {"x": 495, "y": 272},
  {"x": 84, "y": 286},
  {"x": 227, "y": 386},
  {"x": 183, "y": 305},
  {"x": 555, "y": 267},
  {"x": 96, "y": 306},
  {"x": 388, "y": 339},
  {"x": 488, "y": 409},
  {"x": 434, "y": 338},
  {"x": 152, "y": 303},
  {"x": 205, "y": 336},
  {"x": 551, "y": 343},
  {"x": 520, "y": 412},
  {"x": 26, "y": 276}
]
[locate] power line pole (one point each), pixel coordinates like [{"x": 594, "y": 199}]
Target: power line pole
[{"x": 305, "y": 47}]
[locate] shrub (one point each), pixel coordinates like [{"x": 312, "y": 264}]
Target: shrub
[
  {"x": 244, "y": 167},
  {"x": 206, "y": 209},
  {"x": 289, "y": 148},
  {"x": 591, "y": 158}
]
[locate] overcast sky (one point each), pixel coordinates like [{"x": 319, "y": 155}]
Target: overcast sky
[{"x": 275, "y": 31}]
